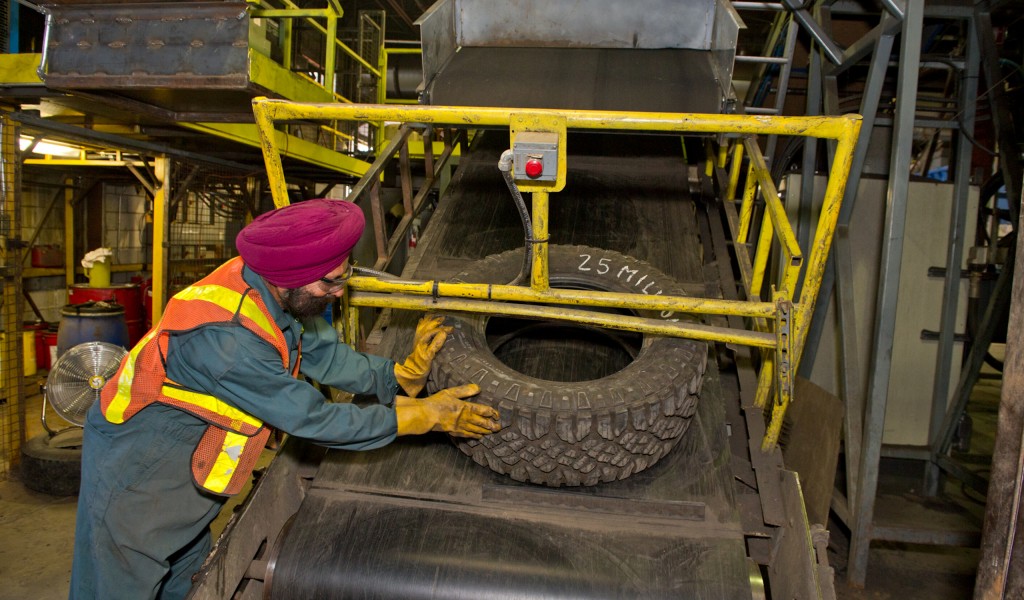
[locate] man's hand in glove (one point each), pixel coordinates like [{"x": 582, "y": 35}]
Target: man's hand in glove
[
  {"x": 430, "y": 336},
  {"x": 446, "y": 411}
]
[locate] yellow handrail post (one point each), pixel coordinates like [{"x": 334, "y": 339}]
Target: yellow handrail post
[
  {"x": 747, "y": 208},
  {"x": 783, "y": 370},
  {"x": 329, "y": 50},
  {"x": 734, "y": 171},
  {"x": 539, "y": 277},
  {"x": 764, "y": 246},
  {"x": 764, "y": 381},
  {"x": 825, "y": 231},
  {"x": 271, "y": 153},
  {"x": 162, "y": 173}
]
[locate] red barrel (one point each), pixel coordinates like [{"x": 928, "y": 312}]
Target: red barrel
[
  {"x": 50, "y": 339},
  {"x": 127, "y": 295},
  {"x": 147, "y": 303}
]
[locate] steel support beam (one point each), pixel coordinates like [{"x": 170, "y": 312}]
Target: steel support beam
[
  {"x": 815, "y": 85},
  {"x": 889, "y": 279},
  {"x": 887, "y": 26},
  {"x": 1002, "y": 117},
  {"x": 896, "y": 7},
  {"x": 785, "y": 71},
  {"x": 954, "y": 254},
  {"x": 82, "y": 134},
  {"x": 869, "y": 109},
  {"x": 828, "y": 46},
  {"x": 1001, "y": 302}
]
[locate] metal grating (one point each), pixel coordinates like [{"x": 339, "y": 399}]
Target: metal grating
[
  {"x": 207, "y": 209},
  {"x": 5, "y": 26},
  {"x": 12, "y": 387},
  {"x": 124, "y": 223}
]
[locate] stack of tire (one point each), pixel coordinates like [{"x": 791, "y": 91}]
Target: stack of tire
[{"x": 52, "y": 464}]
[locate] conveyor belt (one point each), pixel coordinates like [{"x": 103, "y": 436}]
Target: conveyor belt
[
  {"x": 617, "y": 197},
  {"x": 662, "y": 80},
  {"x": 418, "y": 519}
]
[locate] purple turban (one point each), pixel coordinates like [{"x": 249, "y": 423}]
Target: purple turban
[{"x": 300, "y": 243}]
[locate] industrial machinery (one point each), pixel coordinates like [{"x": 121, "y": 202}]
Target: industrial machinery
[{"x": 658, "y": 267}]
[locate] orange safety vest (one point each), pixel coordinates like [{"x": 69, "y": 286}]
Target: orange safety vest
[{"x": 225, "y": 456}]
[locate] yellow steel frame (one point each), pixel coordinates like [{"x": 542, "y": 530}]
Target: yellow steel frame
[
  {"x": 330, "y": 15},
  {"x": 382, "y": 90},
  {"x": 417, "y": 147},
  {"x": 778, "y": 327}
]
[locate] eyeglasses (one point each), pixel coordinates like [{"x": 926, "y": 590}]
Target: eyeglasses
[{"x": 336, "y": 283}]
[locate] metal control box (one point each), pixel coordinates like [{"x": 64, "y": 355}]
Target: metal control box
[{"x": 535, "y": 156}]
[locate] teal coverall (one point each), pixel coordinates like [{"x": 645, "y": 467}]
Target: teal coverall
[{"x": 142, "y": 529}]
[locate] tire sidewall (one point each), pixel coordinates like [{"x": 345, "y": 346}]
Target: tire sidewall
[{"x": 50, "y": 469}]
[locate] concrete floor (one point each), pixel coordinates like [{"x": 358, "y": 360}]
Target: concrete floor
[
  {"x": 35, "y": 543},
  {"x": 36, "y": 530},
  {"x": 899, "y": 571},
  {"x": 902, "y": 571}
]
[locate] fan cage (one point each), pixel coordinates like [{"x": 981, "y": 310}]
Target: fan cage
[{"x": 78, "y": 377}]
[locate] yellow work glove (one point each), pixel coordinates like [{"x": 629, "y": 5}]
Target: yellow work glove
[
  {"x": 447, "y": 411},
  {"x": 430, "y": 336}
]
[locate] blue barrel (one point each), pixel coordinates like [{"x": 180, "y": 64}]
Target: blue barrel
[{"x": 91, "y": 322}]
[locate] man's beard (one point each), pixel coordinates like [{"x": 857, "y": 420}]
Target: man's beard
[{"x": 302, "y": 304}]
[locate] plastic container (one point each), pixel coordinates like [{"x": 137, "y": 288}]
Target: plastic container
[
  {"x": 28, "y": 345},
  {"x": 91, "y": 322},
  {"x": 47, "y": 255},
  {"x": 42, "y": 355},
  {"x": 128, "y": 295},
  {"x": 28, "y": 352},
  {"x": 99, "y": 274}
]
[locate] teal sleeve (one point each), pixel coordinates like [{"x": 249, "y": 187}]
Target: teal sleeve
[
  {"x": 336, "y": 364},
  {"x": 239, "y": 368}
]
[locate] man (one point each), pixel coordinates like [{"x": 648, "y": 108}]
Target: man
[{"x": 179, "y": 427}]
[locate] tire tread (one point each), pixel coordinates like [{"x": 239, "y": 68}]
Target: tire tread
[{"x": 571, "y": 434}]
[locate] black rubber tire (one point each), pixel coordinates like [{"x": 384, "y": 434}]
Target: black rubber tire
[
  {"x": 49, "y": 467},
  {"x": 577, "y": 433}
]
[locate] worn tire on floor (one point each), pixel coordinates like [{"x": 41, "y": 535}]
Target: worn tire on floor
[
  {"x": 559, "y": 433},
  {"x": 53, "y": 464}
]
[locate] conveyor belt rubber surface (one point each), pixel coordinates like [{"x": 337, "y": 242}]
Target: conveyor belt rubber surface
[
  {"x": 663, "y": 80},
  {"x": 418, "y": 519}
]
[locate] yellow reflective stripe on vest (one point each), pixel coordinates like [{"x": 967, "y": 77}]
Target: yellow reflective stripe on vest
[
  {"x": 119, "y": 403},
  {"x": 228, "y": 300},
  {"x": 227, "y": 461},
  {"x": 212, "y": 404}
]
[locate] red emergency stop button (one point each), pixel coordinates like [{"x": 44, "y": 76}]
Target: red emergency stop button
[{"x": 533, "y": 168}]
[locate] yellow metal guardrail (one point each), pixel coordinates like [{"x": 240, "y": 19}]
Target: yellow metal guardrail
[
  {"x": 383, "y": 89},
  {"x": 778, "y": 327},
  {"x": 330, "y": 16}
]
